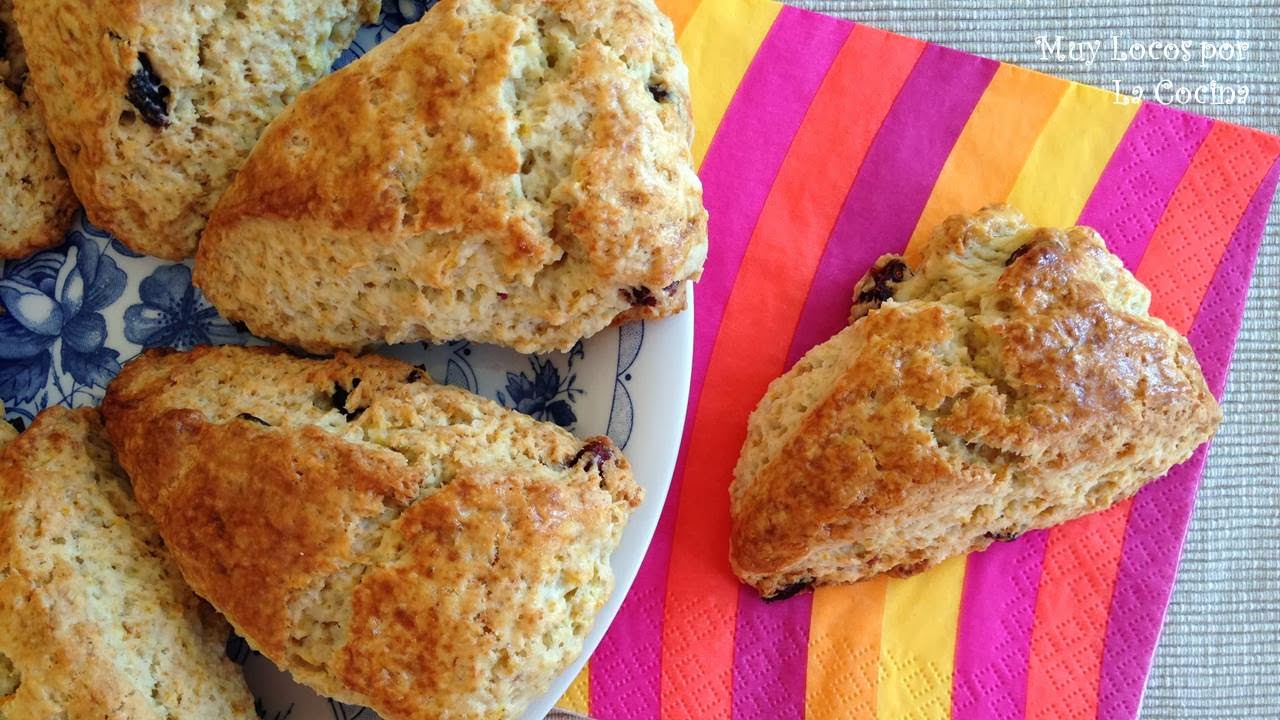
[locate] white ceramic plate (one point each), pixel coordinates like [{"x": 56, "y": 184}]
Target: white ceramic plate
[{"x": 74, "y": 314}]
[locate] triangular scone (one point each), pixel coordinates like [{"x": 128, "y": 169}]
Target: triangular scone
[
  {"x": 389, "y": 541},
  {"x": 508, "y": 172},
  {"x": 95, "y": 619},
  {"x": 1013, "y": 382},
  {"x": 36, "y": 202},
  {"x": 153, "y": 106}
]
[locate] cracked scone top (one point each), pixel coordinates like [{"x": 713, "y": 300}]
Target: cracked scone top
[
  {"x": 510, "y": 172},
  {"x": 391, "y": 542},
  {"x": 1013, "y": 381},
  {"x": 153, "y": 106},
  {"x": 95, "y": 619},
  {"x": 36, "y": 202}
]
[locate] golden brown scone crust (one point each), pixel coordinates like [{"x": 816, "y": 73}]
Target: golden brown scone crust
[
  {"x": 970, "y": 400},
  {"x": 227, "y": 68},
  {"x": 95, "y": 619},
  {"x": 503, "y": 171},
  {"x": 389, "y": 541},
  {"x": 36, "y": 203}
]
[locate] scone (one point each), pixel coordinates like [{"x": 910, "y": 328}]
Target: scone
[
  {"x": 7, "y": 431},
  {"x": 36, "y": 202},
  {"x": 1012, "y": 382},
  {"x": 95, "y": 619},
  {"x": 507, "y": 172},
  {"x": 154, "y": 106},
  {"x": 391, "y": 542}
]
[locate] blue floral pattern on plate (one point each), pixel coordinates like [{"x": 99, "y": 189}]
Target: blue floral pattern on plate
[
  {"x": 458, "y": 369},
  {"x": 544, "y": 395},
  {"x": 622, "y": 411},
  {"x": 53, "y": 324},
  {"x": 395, "y": 15},
  {"x": 342, "y": 711},
  {"x": 174, "y": 313},
  {"x": 260, "y": 708},
  {"x": 70, "y": 316}
]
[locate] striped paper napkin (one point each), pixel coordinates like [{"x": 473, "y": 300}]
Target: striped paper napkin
[{"x": 822, "y": 145}]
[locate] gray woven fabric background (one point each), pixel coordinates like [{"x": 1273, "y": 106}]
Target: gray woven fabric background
[{"x": 1219, "y": 656}]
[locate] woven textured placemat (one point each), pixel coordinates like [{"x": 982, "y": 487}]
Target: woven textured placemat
[{"x": 1218, "y": 657}]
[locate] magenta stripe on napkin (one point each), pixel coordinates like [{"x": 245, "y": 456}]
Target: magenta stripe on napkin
[
  {"x": 738, "y": 171},
  {"x": 771, "y": 642},
  {"x": 1140, "y": 178},
  {"x": 770, "y": 657},
  {"x": 1158, "y": 521},
  {"x": 993, "y": 636},
  {"x": 996, "y": 615},
  {"x": 907, "y": 156}
]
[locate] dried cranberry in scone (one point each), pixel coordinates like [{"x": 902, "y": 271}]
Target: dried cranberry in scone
[{"x": 878, "y": 285}]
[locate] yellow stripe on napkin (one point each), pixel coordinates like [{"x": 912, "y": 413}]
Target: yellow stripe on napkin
[
  {"x": 989, "y": 155},
  {"x": 918, "y": 643},
  {"x": 1069, "y": 156},
  {"x": 723, "y": 52},
  {"x": 577, "y": 697}
]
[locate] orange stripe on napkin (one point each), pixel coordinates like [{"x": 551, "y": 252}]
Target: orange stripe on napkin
[
  {"x": 844, "y": 650},
  {"x": 799, "y": 214},
  {"x": 805, "y": 201},
  {"x": 741, "y": 366},
  {"x": 1208, "y": 204},
  {"x": 702, "y": 594},
  {"x": 679, "y": 11},
  {"x": 998, "y": 137},
  {"x": 1079, "y": 573}
]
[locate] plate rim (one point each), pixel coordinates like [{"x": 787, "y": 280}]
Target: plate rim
[{"x": 644, "y": 521}]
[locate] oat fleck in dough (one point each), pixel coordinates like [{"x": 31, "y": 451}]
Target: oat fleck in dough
[
  {"x": 95, "y": 618},
  {"x": 154, "y": 106},
  {"x": 36, "y": 202},
  {"x": 1013, "y": 381},
  {"x": 508, "y": 172},
  {"x": 398, "y": 544}
]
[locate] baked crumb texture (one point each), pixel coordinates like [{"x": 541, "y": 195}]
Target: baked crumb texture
[
  {"x": 1014, "y": 380},
  {"x": 509, "y": 172},
  {"x": 95, "y": 619},
  {"x": 36, "y": 202},
  {"x": 391, "y": 542},
  {"x": 154, "y": 106}
]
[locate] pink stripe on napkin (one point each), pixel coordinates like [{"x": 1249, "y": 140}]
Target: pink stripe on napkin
[
  {"x": 739, "y": 169},
  {"x": 907, "y": 156},
  {"x": 1158, "y": 520}
]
